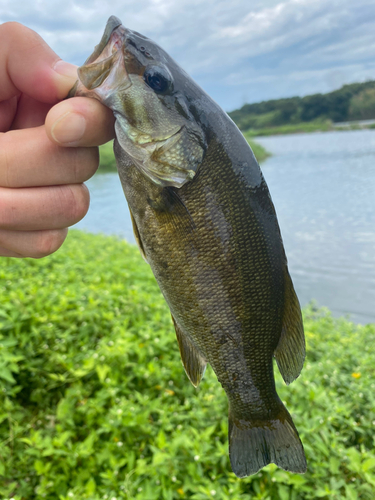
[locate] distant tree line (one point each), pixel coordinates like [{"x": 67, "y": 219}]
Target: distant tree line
[{"x": 351, "y": 102}]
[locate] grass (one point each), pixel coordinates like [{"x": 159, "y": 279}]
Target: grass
[
  {"x": 108, "y": 161},
  {"x": 95, "y": 403},
  {"x": 107, "y": 158},
  {"x": 261, "y": 154}
]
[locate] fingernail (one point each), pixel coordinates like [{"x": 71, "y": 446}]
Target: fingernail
[
  {"x": 69, "y": 129},
  {"x": 66, "y": 69}
]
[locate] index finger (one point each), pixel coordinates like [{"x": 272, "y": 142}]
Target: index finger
[{"x": 28, "y": 65}]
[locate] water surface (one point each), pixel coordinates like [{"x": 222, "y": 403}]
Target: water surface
[{"x": 323, "y": 188}]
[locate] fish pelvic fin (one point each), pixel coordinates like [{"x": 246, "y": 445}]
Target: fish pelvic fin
[
  {"x": 290, "y": 352},
  {"x": 255, "y": 444},
  {"x": 194, "y": 363}
]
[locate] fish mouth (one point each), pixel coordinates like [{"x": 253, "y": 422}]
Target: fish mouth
[
  {"x": 104, "y": 74},
  {"x": 112, "y": 24},
  {"x": 104, "y": 77}
]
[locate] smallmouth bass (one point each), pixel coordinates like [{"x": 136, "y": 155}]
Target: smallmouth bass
[{"x": 204, "y": 221}]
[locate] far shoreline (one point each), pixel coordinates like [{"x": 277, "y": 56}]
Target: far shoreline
[{"x": 309, "y": 127}]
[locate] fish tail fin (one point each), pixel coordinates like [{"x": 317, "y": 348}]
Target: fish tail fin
[{"x": 254, "y": 444}]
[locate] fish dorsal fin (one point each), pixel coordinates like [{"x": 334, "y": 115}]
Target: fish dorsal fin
[
  {"x": 194, "y": 363},
  {"x": 290, "y": 352},
  {"x": 137, "y": 236}
]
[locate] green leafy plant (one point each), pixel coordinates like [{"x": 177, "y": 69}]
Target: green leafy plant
[
  {"x": 94, "y": 402},
  {"x": 107, "y": 158}
]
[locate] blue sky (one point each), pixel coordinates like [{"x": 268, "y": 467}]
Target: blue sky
[{"x": 238, "y": 51}]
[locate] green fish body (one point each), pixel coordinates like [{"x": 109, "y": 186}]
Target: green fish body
[{"x": 204, "y": 221}]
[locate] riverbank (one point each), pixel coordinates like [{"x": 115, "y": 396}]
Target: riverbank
[
  {"x": 108, "y": 162},
  {"x": 261, "y": 153},
  {"x": 308, "y": 127},
  {"x": 95, "y": 402}
]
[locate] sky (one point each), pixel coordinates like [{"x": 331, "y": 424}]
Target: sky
[{"x": 239, "y": 51}]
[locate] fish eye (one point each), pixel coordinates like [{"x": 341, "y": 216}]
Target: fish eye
[{"x": 158, "y": 78}]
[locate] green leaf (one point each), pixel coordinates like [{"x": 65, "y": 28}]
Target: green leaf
[
  {"x": 6, "y": 374},
  {"x": 102, "y": 371},
  {"x": 90, "y": 486},
  {"x": 39, "y": 467},
  {"x": 368, "y": 464}
]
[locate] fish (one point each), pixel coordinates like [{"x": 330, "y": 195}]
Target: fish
[{"x": 204, "y": 220}]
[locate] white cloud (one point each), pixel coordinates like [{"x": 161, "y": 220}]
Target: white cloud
[{"x": 258, "y": 50}]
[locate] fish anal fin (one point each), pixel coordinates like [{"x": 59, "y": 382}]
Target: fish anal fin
[
  {"x": 194, "y": 363},
  {"x": 290, "y": 352},
  {"x": 137, "y": 236}
]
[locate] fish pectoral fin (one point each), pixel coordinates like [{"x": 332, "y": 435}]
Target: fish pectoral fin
[
  {"x": 290, "y": 352},
  {"x": 137, "y": 236},
  {"x": 174, "y": 209},
  {"x": 172, "y": 212},
  {"x": 194, "y": 363}
]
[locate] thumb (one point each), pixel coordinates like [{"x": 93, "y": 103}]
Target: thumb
[
  {"x": 64, "y": 78},
  {"x": 28, "y": 65}
]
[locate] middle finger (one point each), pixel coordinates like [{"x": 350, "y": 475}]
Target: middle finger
[{"x": 29, "y": 158}]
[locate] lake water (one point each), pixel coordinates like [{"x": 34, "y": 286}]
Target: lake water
[{"x": 323, "y": 188}]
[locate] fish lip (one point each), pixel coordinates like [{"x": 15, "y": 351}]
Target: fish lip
[
  {"x": 109, "y": 47},
  {"x": 112, "y": 24},
  {"x": 98, "y": 77}
]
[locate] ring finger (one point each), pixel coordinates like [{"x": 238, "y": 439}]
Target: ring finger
[{"x": 39, "y": 208}]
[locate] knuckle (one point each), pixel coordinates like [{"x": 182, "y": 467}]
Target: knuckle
[
  {"x": 12, "y": 32},
  {"x": 47, "y": 243},
  {"x": 7, "y": 148},
  {"x": 92, "y": 160},
  {"x": 8, "y": 210},
  {"x": 11, "y": 28},
  {"x": 85, "y": 163},
  {"x": 79, "y": 201}
]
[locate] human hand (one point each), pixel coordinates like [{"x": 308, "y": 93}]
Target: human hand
[{"x": 47, "y": 147}]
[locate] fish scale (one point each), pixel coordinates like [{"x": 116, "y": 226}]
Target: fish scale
[{"x": 205, "y": 222}]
